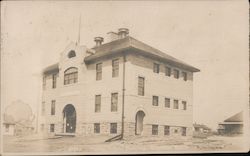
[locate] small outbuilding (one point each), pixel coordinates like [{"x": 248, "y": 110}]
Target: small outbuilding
[
  {"x": 8, "y": 128},
  {"x": 231, "y": 125}
]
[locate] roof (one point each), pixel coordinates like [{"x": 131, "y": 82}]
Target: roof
[
  {"x": 201, "y": 126},
  {"x": 129, "y": 43},
  {"x": 51, "y": 68},
  {"x": 231, "y": 123},
  {"x": 235, "y": 118}
]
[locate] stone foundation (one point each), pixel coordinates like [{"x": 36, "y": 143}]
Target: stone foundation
[{"x": 87, "y": 129}]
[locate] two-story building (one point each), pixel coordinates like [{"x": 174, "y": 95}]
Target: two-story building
[{"x": 121, "y": 87}]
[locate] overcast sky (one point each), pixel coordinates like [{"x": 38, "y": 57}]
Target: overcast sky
[{"x": 210, "y": 35}]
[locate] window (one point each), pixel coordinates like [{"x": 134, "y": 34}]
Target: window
[
  {"x": 176, "y": 73},
  {"x": 53, "y": 107},
  {"x": 156, "y": 68},
  {"x": 43, "y": 108},
  {"x": 166, "y": 130},
  {"x": 176, "y": 104},
  {"x": 154, "y": 129},
  {"x": 114, "y": 102},
  {"x": 44, "y": 82},
  {"x": 115, "y": 68},
  {"x": 99, "y": 71},
  {"x": 184, "y": 75},
  {"x": 167, "y": 102},
  {"x": 184, "y": 131},
  {"x": 167, "y": 71},
  {"x": 70, "y": 75},
  {"x": 141, "y": 86},
  {"x": 113, "y": 128},
  {"x": 42, "y": 127},
  {"x": 52, "y": 127},
  {"x": 71, "y": 54},
  {"x": 98, "y": 103},
  {"x": 96, "y": 127},
  {"x": 54, "y": 76},
  {"x": 7, "y": 126},
  {"x": 184, "y": 104},
  {"x": 155, "y": 100}
]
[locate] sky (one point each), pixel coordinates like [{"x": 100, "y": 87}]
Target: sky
[{"x": 210, "y": 35}]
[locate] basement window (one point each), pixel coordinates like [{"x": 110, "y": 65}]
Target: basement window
[
  {"x": 184, "y": 131},
  {"x": 166, "y": 130},
  {"x": 96, "y": 127},
  {"x": 113, "y": 128},
  {"x": 52, "y": 127},
  {"x": 154, "y": 129}
]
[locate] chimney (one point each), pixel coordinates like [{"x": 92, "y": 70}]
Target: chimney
[
  {"x": 123, "y": 32},
  {"x": 98, "y": 41},
  {"x": 111, "y": 36}
]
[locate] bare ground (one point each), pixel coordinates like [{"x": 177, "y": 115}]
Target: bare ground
[{"x": 96, "y": 144}]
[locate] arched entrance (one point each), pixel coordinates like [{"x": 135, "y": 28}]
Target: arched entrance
[
  {"x": 139, "y": 122},
  {"x": 69, "y": 119}
]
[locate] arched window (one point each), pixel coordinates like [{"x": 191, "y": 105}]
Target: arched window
[
  {"x": 70, "y": 75},
  {"x": 71, "y": 54}
]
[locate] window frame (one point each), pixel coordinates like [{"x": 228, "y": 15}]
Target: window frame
[
  {"x": 167, "y": 102},
  {"x": 184, "y": 131},
  {"x": 71, "y": 77},
  {"x": 52, "y": 128},
  {"x": 113, "y": 128},
  {"x": 184, "y": 75},
  {"x": 155, "y": 129},
  {"x": 97, "y": 128},
  {"x": 53, "y": 107},
  {"x": 54, "y": 79},
  {"x": 157, "y": 100},
  {"x": 98, "y": 105},
  {"x": 115, "y": 67},
  {"x": 71, "y": 54},
  {"x": 176, "y": 104},
  {"x": 44, "y": 81},
  {"x": 168, "y": 71},
  {"x": 176, "y": 73},
  {"x": 156, "y": 68},
  {"x": 166, "y": 130},
  {"x": 7, "y": 128},
  {"x": 184, "y": 105},
  {"x": 43, "y": 108},
  {"x": 141, "y": 88},
  {"x": 99, "y": 71},
  {"x": 114, "y": 102}
]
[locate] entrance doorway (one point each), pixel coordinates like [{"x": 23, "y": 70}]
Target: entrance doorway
[
  {"x": 139, "y": 122},
  {"x": 69, "y": 119}
]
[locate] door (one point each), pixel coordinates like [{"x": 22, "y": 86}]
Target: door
[
  {"x": 139, "y": 122},
  {"x": 69, "y": 116}
]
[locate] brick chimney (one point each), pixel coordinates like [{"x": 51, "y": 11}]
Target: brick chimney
[
  {"x": 98, "y": 41},
  {"x": 123, "y": 32}
]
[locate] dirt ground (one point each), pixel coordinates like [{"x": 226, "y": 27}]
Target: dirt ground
[{"x": 138, "y": 144}]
